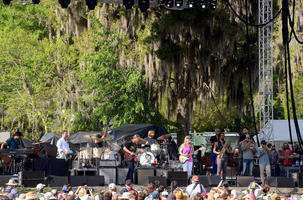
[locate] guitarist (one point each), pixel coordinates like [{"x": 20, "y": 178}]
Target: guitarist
[
  {"x": 186, "y": 150},
  {"x": 129, "y": 149}
]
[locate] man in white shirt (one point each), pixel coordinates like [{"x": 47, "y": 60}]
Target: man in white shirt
[
  {"x": 195, "y": 187},
  {"x": 63, "y": 147}
]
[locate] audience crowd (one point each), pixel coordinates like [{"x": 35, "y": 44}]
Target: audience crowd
[{"x": 194, "y": 191}]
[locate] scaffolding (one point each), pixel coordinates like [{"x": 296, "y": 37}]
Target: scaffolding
[{"x": 265, "y": 70}]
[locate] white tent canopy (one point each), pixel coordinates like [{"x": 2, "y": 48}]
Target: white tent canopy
[{"x": 281, "y": 131}]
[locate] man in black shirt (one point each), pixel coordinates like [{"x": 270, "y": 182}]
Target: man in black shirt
[
  {"x": 129, "y": 149},
  {"x": 212, "y": 141}
]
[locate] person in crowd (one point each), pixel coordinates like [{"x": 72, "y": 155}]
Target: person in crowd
[
  {"x": 31, "y": 196},
  {"x": 129, "y": 149},
  {"x": 40, "y": 187},
  {"x": 129, "y": 188},
  {"x": 264, "y": 163},
  {"x": 63, "y": 147},
  {"x": 194, "y": 188},
  {"x": 173, "y": 186},
  {"x": 297, "y": 155},
  {"x": 150, "y": 139},
  {"x": 14, "y": 142},
  {"x": 186, "y": 150},
  {"x": 286, "y": 155},
  {"x": 274, "y": 161},
  {"x": 107, "y": 195},
  {"x": 65, "y": 190},
  {"x": 249, "y": 149},
  {"x": 54, "y": 193},
  {"x": 212, "y": 141},
  {"x": 11, "y": 191},
  {"x": 127, "y": 196},
  {"x": 219, "y": 148},
  {"x": 150, "y": 189},
  {"x": 99, "y": 143},
  {"x": 164, "y": 195},
  {"x": 142, "y": 195},
  {"x": 180, "y": 195},
  {"x": 84, "y": 193},
  {"x": 112, "y": 188}
]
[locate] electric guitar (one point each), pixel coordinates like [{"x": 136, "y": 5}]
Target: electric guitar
[
  {"x": 184, "y": 159},
  {"x": 129, "y": 157}
]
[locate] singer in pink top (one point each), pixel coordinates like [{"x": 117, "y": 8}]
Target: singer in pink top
[{"x": 186, "y": 150}]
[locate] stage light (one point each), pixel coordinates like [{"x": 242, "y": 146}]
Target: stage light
[
  {"x": 128, "y": 4},
  {"x": 143, "y": 5},
  {"x": 64, "y": 3},
  {"x": 36, "y": 1},
  {"x": 203, "y": 4},
  {"x": 178, "y": 3},
  {"x": 191, "y": 4},
  {"x": 91, "y": 4},
  {"x": 7, "y": 2},
  {"x": 169, "y": 3},
  {"x": 213, "y": 4}
]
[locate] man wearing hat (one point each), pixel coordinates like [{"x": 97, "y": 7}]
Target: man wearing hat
[
  {"x": 40, "y": 187},
  {"x": 14, "y": 142},
  {"x": 249, "y": 149},
  {"x": 264, "y": 163},
  {"x": 10, "y": 191},
  {"x": 212, "y": 141},
  {"x": 194, "y": 188},
  {"x": 129, "y": 154}
]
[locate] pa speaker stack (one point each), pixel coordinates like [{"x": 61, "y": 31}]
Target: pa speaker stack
[
  {"x": 86, "y": 180},
  {"x": 283, "y": 182},
  {"x": 143, "y": 174},
  {"x": 179, "y": 176},
  {"x": 31, "y": 178}
]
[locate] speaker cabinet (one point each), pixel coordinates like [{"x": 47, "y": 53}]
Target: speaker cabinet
[
  {"x": 214, "y": 180},
  {"x": 110, "y": 175},
  {"x": 31, "y": 178},
  {"x": 57, "y": 181},
  {"x": 158, "y": 180},
  {"x": 204, "y": 180},
  {"x": 86, "y": 180},
  {"x": 244, "y": 181},
  {"x": 283, "y": 182},
  {"x": 143, "y": 174},
  {"x": 300, "y": 180},
  {"x": 121, "y": 174},
  {"x": 176, "y": 174}
]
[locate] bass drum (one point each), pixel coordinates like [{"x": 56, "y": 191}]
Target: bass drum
[
  {"x": 155, "y": 148},
  {"x": 115, "y": 147},
  {"x": 112, "y": 155},
  {"x": 147, "y": 159},
  {"x": 97, "y": 152}
]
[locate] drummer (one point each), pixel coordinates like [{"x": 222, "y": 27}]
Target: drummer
[
  {"x": 98, "y": 142},
  {"x": 150, "y": 138}
]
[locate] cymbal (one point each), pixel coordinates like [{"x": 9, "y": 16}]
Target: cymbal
[
  {"x": 164, "y": 137},
  {"x": 90, "y": 137},
  {"x": 105, "y": 139},
  {"x": 122, "y": 138},
  {"x": 142, "y": 141}
]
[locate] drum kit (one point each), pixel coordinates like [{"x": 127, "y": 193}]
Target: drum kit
[
  {"x": 89, "y": 156},
  {"x": 154, "y": 154}
]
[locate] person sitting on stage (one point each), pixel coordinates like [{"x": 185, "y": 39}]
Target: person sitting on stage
[
  {"x": 129, "y": 152},
  {"x": 186, "y": 150},
  {"x": 129, "y": 188},
  {"x": 212, "y": 141},
  {"x": 100, "y": 136},
  {"x": 63, "y": 148},
  {"x": 150, "y": 138},
  {"x": 14, "y": 142},
  {"x": 194, "y": 188},
  {"x": 11, "y": 191}
]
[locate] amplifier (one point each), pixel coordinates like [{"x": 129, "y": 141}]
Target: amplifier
[
  {"x": 57, "y": 181},
  {"x": 283, "y": 182},
  {"x": 204, "y": 180},
  {"x": 214, "y": 180},
  {"x": 107, "y": 163},
  {"x": 143, "y": 174},
  {"x": 158, "y": 180},
  {"x": 31, "y": 178},
  {"x": 244, "y": 181},
  {"x": 110, "y": 175},
  {"x": 121, "y": 174},
  {"x": 86, "y": 180}
]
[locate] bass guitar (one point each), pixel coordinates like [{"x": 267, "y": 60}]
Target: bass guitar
[
  {"x": 184, "y": 159},
  {"x": 130, "y": 157}
]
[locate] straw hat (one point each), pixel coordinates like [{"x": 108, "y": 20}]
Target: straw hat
[
  {"x": 180, "y": 195},
  {"x": 127, "y": 195},
  {"x": 12, "y": 182},
  {"x": 31, "y": 196}
]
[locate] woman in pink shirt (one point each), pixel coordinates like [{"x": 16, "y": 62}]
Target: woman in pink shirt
[{"x": 186, "y": 150}]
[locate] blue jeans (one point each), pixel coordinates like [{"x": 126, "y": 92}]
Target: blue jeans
[
  {"x": 131, "y": 170},
  {"x": 247, "y": 163},
  {"x": 213, "y": 159}
]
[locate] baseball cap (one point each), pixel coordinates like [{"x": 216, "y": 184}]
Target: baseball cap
[
  {"x": 263, "y": 142},
  {"x": 164, "y": 193},
  {"x": 40, "y": 186},
  {"x": 112, "y": 186}
]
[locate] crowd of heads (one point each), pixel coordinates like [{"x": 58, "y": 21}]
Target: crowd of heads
[{"x": 153, "y": 191}]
